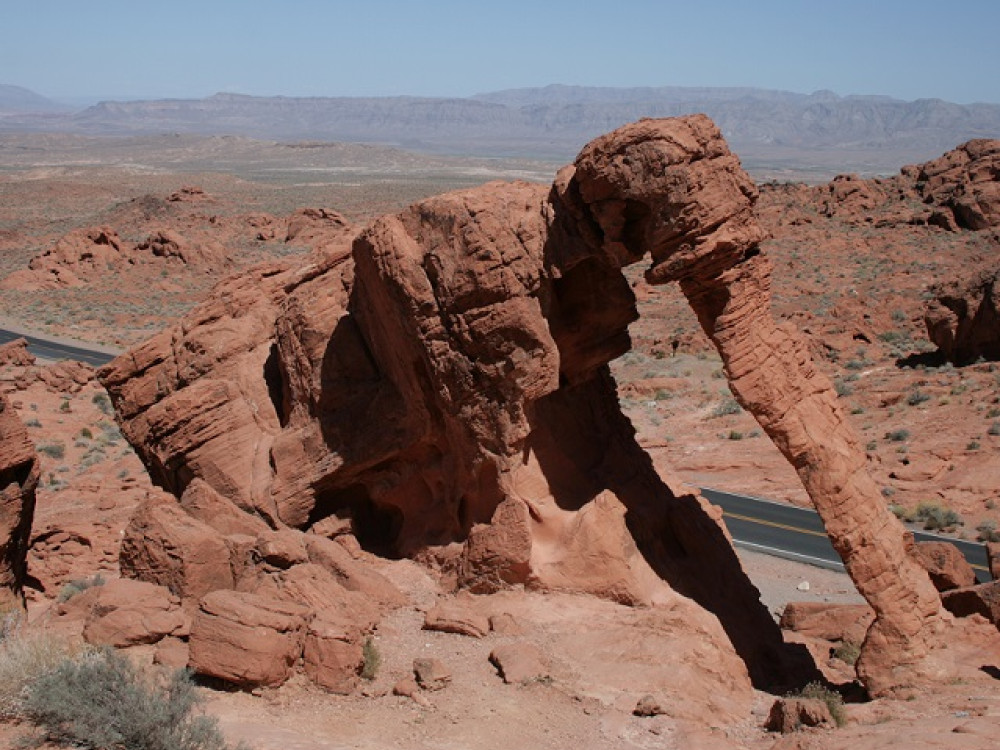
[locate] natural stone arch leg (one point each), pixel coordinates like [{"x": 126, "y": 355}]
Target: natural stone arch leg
[{"x": 673, "y": 188}]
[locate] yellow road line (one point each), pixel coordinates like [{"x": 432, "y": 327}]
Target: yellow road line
[
  {"x": 774, "y": 525},
  {"x": 800, "y": 530}
]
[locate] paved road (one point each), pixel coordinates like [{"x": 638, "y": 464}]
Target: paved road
[
  {"x": 54, "y": 350},
  {"x": 798, "y": 534}
]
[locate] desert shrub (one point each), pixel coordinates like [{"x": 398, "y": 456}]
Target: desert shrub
[
  {"x": 33, "y": 422},
  {"x": 735, "y": 435},
  {"x": 848, "y": 652},
  {"x": 991, "y": 414},
  {"x": 64, "y": 406},
  {"x": 726, "y": 407},
  {"x": 994, "y": 429},
  {"x": 917, "y": 396},
  {"x": 86, "y": 434},
  {"x": 972, "y": 445},
  {"x": 934, "y": 517},
  {"x": 25, "y": 655},
  {"x": 842, "y": 388},
  {"x": 371, "y": 659},
  {"x": 99, "y": 700},
  {"x": 987, "y": 531},
  {"x": 898, "y": 436},
  {"x": 833, "y": 700},
  {"x": 103, "y": 403},
  {"x": 53, "y": 450},
  {"x": 79, "y": 585}
]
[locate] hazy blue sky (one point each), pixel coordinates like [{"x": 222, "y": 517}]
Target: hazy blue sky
[{"x": 909, "y": 49}]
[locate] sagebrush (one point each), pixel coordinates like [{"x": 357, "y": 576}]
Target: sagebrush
[{"x": 99, "y": 700}]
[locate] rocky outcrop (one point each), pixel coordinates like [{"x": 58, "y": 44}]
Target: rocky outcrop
[
  {"x": 16, "y": 353},
  {"x": 946, "y": 565},
  {"x": 959, "y": 190},
  {"x": 442, "y": 388},
  {"x": 965, "y": 181},
  {"x": 81, "y": 254},
  {"x": 247, "y": 639},
  {"x": 962, "y": 315},
  {"x": 19, "y": 473},
  {"x": 171, "y": 245}
]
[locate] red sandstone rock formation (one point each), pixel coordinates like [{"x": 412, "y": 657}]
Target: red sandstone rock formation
[
  {"x": 962, "y": 317},
  {"x": 16, "y": 353},
  {"x": 442, "y": 388},
  {"x": 19, "y": 472},
  {"x": 81, "y": 254},
  {"x": 966, "y": 181}
]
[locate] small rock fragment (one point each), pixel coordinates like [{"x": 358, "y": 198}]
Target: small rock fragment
[
  {"x": 431, "y": 674},
  {"x": 457, "y": 617},
  {"x": 519, "y": 662},
  {"x": 791, "y": 714},
  {"x": 648, "y": 706}
]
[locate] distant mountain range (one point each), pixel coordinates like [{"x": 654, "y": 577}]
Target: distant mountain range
[
  {"x": 17, "y": 100},
  {"x": 550, "y": 122}
]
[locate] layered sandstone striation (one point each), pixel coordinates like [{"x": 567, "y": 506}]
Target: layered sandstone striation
[
  {"x": 19, "y": 473},
  {"x": 440, "y": 390}
]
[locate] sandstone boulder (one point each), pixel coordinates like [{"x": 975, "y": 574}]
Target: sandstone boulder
[
  {"x": 982, "y": 599},
  {"x": 993, "y": 553},
  {"x": 247, "y": 639},
  {"x": 792, "y": 714},
  {"x": 127, "y": 613},
  {"x": 16, "y": 353},
  {"x": 351, "y": 573},
  {"x": 946, "y": 565},
  {"x": 961, "y": 316},
  {"x": 332, "y": 655},
  {"x": 457, "y": 616},
  {"x": 204, "y": 504},
  {"x": 846, "y": 623},
  {"x": 19, "y": 473},
  {"x": 518, "y": 663},
  {"x": 165, "y": 545},
  {"x": 431, "y": 674}
]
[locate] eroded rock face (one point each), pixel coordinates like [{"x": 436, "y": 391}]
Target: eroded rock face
[
  {"x": 965, "y": 181},
  {"x": 19, "y": 472},
  {"x": 962, "y": 316},
  {"x": 442, "y": 387}
]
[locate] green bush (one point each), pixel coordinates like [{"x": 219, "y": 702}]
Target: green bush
[
  {"x": 371, "y": 659},
  {"x": 102, "y": 402},
  {"x": 833, "y": 700},
  {"x": 917, "y": 397},
  {"x": 934, "y": 517},
  {"x": 77, "y": 586},
  {"x": 24, "y": 656},
  {"x": 848, "y": 652},
  {"x": 53, "y": 450},
  {"x": 898, "y": 436},
  {"x": 726, "y": 407},
  {"x": 98, "y": 700},
  {"x": 987, "y": 531}
]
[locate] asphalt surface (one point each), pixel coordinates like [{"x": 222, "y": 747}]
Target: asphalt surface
[
  {"x": 54, "y": 350},
  {"x": 798, "y": 533}
]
